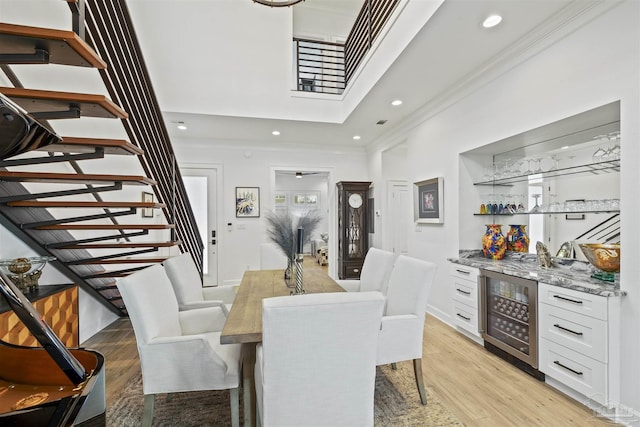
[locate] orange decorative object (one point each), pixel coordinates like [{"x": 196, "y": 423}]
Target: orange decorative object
[
  {"x": 494, "y": 244},
  {"x": 517, "y": 238}
]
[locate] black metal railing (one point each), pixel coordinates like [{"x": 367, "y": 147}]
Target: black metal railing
[
  {"x": 327, "y": 67},
  {"x": 109, "y": 30},
  {"x": 320, "y": 66}
]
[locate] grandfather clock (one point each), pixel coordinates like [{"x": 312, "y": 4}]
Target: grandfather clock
[{"x": 353, "y": 235}]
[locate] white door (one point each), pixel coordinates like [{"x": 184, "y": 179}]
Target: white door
[
  {"x": 400, "y": 210},
  {"x": 201, "y": 189}
]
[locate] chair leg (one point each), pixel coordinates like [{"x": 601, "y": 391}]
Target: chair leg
[
  {"x": 235, "y": 407},
  {"x": 149, "y": 403},
  {"x": 417, "y": 368},
  {"x": 394, "y": 366}
]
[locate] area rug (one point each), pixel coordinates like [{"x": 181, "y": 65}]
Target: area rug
[{"x": 397, "y": 403}]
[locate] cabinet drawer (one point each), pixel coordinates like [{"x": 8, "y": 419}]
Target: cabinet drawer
[
  {"x": 465, "y": 291},
  {"x": 465, "y": 272},
  {"x": 581, "y": 373},
  {"x": 578, "y": 332},
  {"x": 578, "y": 302},
  {"x": 466, "y": 317}
]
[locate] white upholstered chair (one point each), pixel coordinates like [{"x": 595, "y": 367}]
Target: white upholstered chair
[
  {"x": 179, "y": 350},
  {"x": 316, "y": 365},
  {"x": 187, "y": 284},
  {"x": 403, "y": 322},
  {"x": 375, "y": 273},
  {"x": 271, "y": 257}
]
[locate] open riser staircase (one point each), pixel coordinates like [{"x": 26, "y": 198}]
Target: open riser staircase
[{"x": 67, "y": 199}]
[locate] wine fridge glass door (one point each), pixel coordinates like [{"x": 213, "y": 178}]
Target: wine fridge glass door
[{"x": 509, "y": 315}]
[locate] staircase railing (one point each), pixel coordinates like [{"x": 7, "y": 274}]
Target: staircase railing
[
  {"x": 327, "y": 67},
  {"x": 109, "y": 30}
]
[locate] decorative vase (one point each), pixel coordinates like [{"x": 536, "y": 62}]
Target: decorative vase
[
  {"x": 517, "y": 238},
  {"x": 494, "y": 244}
]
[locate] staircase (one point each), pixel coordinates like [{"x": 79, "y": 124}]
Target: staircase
[{"x": 92, "y": 222}]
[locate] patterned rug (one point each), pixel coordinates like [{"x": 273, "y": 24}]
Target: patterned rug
[{"x": 397, "y": 403}]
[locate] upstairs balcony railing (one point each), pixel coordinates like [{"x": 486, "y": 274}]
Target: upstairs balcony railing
[{"x": 327, "y": 67}]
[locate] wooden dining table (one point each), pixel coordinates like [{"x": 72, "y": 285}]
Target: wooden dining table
[{"x": 244, "y": 322}]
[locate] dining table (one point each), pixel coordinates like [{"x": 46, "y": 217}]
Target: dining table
[{"x": 244, "y": 322}]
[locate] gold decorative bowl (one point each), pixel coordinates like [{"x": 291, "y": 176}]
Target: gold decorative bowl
[{"x": 602, "y": 256}]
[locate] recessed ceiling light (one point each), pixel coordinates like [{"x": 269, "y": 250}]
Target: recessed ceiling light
[
  {"x": 564, "y": 147},
  {"x": 299, "y": 175},
  {"x": 356, "y": 137},
  {"x": 396, "y": 102},
  {"x": 492, "y": 21},
  {"x": 275, "y": 132},
  {"x": 182, "y": 126}
]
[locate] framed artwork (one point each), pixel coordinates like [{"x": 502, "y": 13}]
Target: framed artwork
[
  {"x": 312, "y": 199},
  {"x": 147, "y": 198},
  {"x": 247, "y": 202},
  {"x": 299, "y": 199},
  {"x": 281, "y": 199},
  {"x": 428, "y": 201}
]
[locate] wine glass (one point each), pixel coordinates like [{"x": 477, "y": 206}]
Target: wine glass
[{"x": 536, "y": 208}]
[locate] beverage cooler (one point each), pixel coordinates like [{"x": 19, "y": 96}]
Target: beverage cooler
[{"x": 508, "y": 317}]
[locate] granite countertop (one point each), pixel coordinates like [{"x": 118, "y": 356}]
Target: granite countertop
[{"x": 566, "y": 272}]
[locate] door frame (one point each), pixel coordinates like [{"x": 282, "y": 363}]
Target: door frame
[{"x": 219, "y": 169}]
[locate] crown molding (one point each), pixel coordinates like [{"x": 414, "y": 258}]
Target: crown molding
[{"x": 570, "y": 19}]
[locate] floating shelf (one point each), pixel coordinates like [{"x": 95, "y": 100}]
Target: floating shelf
[
  {"x": 33, "y": 45},
  {"x": 591, "y": 168},
  {"x": 547, "y": 213}
]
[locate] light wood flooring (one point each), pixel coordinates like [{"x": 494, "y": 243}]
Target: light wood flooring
[{"x": 478, "y": 387}]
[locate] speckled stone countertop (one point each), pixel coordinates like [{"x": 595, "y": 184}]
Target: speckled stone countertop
[{"x": 566, "y": 272}]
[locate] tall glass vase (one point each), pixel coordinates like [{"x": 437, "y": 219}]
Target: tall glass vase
[
  {"x": 517, "y": 238},
  {"x": 494, "y": 244}
]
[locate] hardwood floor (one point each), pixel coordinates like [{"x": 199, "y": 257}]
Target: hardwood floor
[{"x": 478, "y": 387}]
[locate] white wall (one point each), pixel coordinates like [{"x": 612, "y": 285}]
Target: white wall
[
  {"x": 597, "y": 64},
  {"x": 238, "y": 249}
]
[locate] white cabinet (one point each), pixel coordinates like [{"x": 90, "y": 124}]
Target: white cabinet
[
  {"x": 579, "y": 343},
  {"x": 465, "y": 298}
]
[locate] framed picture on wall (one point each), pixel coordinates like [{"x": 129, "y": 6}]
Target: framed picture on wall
[
  {"x": 428, "y": 201},
  {"x": 147, "y": 198},
  {"x": 312, "y": 199},
  {"x": 281, "y": 199},
  {"x": 247, "y": 202},
  {"x": 299, "y": 199}
]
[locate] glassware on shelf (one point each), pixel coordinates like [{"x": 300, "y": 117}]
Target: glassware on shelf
[{"x": 536, "y": 208}]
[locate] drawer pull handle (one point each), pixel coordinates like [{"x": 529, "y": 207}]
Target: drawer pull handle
[
  {"x": 463, "y": 291},
  {"x": 464, "y": 317},
  {"x": 568, "y": 299},
  {"x": 463, "y": 271},
  {"x": 568, "y": 330},
  {"x": 567, "y": 368}
]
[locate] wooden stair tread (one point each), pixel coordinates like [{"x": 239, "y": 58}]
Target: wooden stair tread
[
  {"x": 106, "y": 227},
  {"x": 140, "y": 260},
  {"x": 42, "y": 101},
  {"x": 88, "y": 145},
  {"x": 73, "y": 178},
  {"x": 83, "y": 204},
  {"x": 117, "y": 245},
  {"x": 64, "y": 47}
]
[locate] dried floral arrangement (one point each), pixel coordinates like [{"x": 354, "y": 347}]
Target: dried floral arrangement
[{"x": 282, "y": 228}]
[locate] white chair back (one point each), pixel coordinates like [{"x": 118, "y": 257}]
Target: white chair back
[
  {"x": 185, "y": 279},
  {"x": 271, "y": 257},
  {"x": 376, "y": 270},
  {"x": 151, "y": 304},
  {"x": 409, "y": 285},
  {"x": 318, "y": 359}
]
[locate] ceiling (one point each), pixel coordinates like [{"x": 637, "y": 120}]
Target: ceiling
[{"x": 449, "y": 53}]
